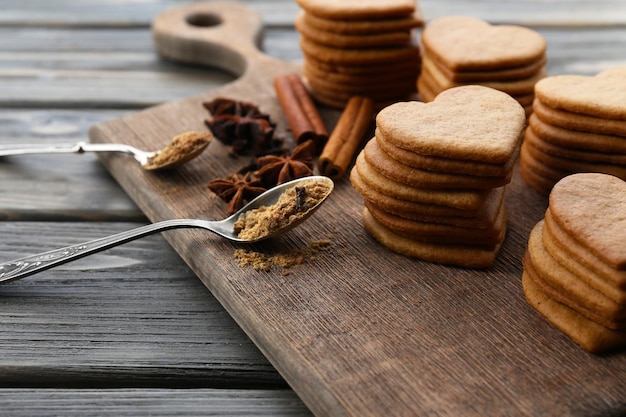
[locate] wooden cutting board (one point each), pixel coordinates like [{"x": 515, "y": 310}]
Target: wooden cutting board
[{"x": 360, "y": 330}]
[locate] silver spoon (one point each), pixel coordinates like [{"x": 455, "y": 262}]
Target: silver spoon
[
  {"x": 30, "y": 265},
  {"x": 179, "y": 151}
]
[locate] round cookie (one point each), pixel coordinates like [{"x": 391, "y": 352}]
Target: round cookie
[
  {"x": 358, "y": 9},
  {"x": 374, "y": 56},
  {"x": 366, "y": 26},
  {"x": 311, "y": 70},
  {"x": 351, "y": 41},
  {"x": 466, "y": 44},
  {"x": 378, "y": 69}
]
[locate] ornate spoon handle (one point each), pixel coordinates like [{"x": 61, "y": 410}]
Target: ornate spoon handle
[{"x": 30, "y": 265}]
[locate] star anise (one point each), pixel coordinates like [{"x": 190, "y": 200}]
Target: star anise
[
  {"x": 275, "y": 170},
  {"x": 241, "y": 125},
  {"x": 236, "y": 190}
]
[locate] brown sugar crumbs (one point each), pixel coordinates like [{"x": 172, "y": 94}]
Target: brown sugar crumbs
[
  {"x": 179, "y": 149},
  {"x": 265, "y": 262},
  {"x": 292, "y": 205}
]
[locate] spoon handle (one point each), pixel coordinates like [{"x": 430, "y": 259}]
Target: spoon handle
[
  {"x": 78, "y": 147},
  {"x": 33, "y": 264}
]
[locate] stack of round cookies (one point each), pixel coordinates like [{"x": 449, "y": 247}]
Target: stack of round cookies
[
  {"x": 460, "y": 50},
  {"x": 359, "y": 48},
  {"x": 578, "y": 125},
  {"x": 575, "y": 263},
  {"x": 433, "y": 177}
]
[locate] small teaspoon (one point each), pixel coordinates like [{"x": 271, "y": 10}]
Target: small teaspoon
[
  {"x": 185, "y": 147},
  {"x": 23, "y": 267}
]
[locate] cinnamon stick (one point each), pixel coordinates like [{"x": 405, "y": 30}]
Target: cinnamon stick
[
  {"x": 301, "y": 112},
  {"x": 347, "y": 137}
]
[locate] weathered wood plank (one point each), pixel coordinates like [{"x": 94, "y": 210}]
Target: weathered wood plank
[
  {"x": 95, "y": 76},
  {"x": 153, "y": 402},
  {"x": 134, "y": 315},
  {"x": 62, "y": 186},
  {"x": 281, "y": 12}
]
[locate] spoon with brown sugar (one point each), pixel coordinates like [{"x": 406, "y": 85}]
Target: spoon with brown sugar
[
  {"x": 271, "y": 214},
  {"x": 181, "y": 149}
]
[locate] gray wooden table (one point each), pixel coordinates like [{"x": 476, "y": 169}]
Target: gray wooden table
[{"x": 132, "y": 330}]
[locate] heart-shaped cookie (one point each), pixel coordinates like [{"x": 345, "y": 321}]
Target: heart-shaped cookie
[
  {"x": 591, "y": 208},
  {"x": 471, "y": 122},
  {"x": 601, "y": 96},
  {"x": 465, "y": 43}
]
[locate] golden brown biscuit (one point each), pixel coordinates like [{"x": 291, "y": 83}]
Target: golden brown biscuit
[
  {"x": 340, "y": 56},
  {"x": 391, "y": 168},
  {"x": 405, "y": 208},
  {"x": 310, "y": 70},
  {"x": 575, "y": 139},
  {"x": 577, "y": 121},
  {"x": 338, "y": 40},
  {"x": 566, "y": 152},
  {"x": 465, "y": 44},
  {"x": 438, "y": 164},
  {"x": 571, "y": 165},
  {"x": 459, "y": 255},
  {"x": 601, "y": 96},
  {"x": 590, "y": 335},
  {"x": 538, "y": 176},
  {"x": 373, "y": 69},
  {"x": 569, "y": 259},
  {"x": 469, "y": 77},
  {"x": 590, "y": 208},
  {"x": 365, "y": 26},
  {"x": 441, "y": 233},
  {"x": 519, "y": 87},
  {"x": 471, "y": 122},
  {"x": 358, "y": 9},
  {"x": 460, "y": 199},
  {"x": 582, "y": 255},
  {"x": 564, "y": 286}
]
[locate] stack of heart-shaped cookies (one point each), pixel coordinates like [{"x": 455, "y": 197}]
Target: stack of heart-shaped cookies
[
  {"x": 433, "y": 177},
  {"x": 359, "y": 48},
  {"x": 578, "y": 125},
  {"x": 575, "y": 262},
  {"x": 460, "y": 50}
]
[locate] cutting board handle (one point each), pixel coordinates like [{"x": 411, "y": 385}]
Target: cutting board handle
[{"x": 222, "y": 35}]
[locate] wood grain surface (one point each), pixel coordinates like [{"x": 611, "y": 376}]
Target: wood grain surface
[{"x": 362, "y": 331}]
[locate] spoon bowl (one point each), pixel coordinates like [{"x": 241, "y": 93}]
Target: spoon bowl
[
  {"x": 23, "y": 267},
  {"x": 152, "y": 161}
]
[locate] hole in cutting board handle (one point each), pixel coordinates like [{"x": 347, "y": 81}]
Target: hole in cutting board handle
[{"x": 204, "y": 20}]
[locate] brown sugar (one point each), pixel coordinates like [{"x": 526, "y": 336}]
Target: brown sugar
[
  {"x": 291, "y": 207},
  {"x": 180, "y": 149}
]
